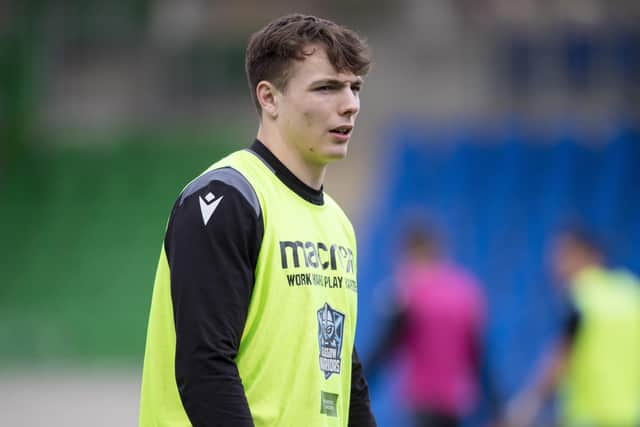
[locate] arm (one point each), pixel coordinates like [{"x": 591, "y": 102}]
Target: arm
[
  {"x": 524, "y": 408},
  {"x": 360, "y": 414},
  {"x": 212, "y": 274}
]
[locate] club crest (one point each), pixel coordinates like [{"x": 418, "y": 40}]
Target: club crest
[{"x": 330, "y": 332}]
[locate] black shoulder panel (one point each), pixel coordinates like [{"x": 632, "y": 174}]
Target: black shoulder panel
[{"x": 229, "y": 176}]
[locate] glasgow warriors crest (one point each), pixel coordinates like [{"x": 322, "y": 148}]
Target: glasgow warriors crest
[{"x": 330, "y": 330}]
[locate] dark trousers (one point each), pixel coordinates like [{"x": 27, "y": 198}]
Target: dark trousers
[{"x": 435, "y": 419}]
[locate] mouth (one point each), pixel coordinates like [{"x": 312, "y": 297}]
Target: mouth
[{"x": 342, "y": 131}]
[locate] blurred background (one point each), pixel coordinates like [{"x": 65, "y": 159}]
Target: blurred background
[{"x": 497, "y": 118}]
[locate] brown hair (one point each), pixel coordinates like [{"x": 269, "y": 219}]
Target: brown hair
[{"x": 272, "y": 49}]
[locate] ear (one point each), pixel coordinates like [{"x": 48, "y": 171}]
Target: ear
[{"x": 267, "y": 96}]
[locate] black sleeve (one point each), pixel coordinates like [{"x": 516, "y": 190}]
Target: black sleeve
[
  {"x": 360, "y": 414},
  {"x": 212, "y": 245},
  {"x": 572, "y": 323}
]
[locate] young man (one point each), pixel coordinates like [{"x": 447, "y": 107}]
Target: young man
[
  {"x": 596, "y": 363},
  {"x": 254, "y": 305}
]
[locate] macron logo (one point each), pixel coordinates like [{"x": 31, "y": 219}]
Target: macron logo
[{"x": 208, "y": 205}]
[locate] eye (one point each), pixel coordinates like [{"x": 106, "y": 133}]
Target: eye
[
  {"x": 324, "y": 88},
  {"x": 356, "y": 88}
]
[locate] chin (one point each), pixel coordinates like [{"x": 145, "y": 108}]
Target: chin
[{"x": 337, "y": 152}]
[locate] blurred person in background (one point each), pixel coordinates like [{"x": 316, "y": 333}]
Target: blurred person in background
[
  {"x": 595, "y": 365},
  {"x": 254, "y": 305},
  {"x": 437, "y": 330}
]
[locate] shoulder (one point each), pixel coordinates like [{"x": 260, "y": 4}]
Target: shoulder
[
  {"x": 225, "y": 180},
  {"x": 220, "y": 202}
]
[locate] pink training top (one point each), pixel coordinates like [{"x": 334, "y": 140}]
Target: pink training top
[{"x": 445, "y": 317}]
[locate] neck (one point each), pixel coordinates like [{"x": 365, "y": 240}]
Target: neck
[
  {"x": 584, "y": 266},
  {"x": 309, "y": 173}
]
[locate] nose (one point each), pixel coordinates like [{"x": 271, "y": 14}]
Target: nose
[{"x": 350, "y": 103}]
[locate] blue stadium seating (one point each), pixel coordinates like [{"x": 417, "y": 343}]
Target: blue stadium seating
[{"x": 498, "y": 192}]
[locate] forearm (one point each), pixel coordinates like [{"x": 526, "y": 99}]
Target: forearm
[{"x": 215, "y": 400}]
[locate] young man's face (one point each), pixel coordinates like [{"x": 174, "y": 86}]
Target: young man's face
[{"x": 318, "y": 108}]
